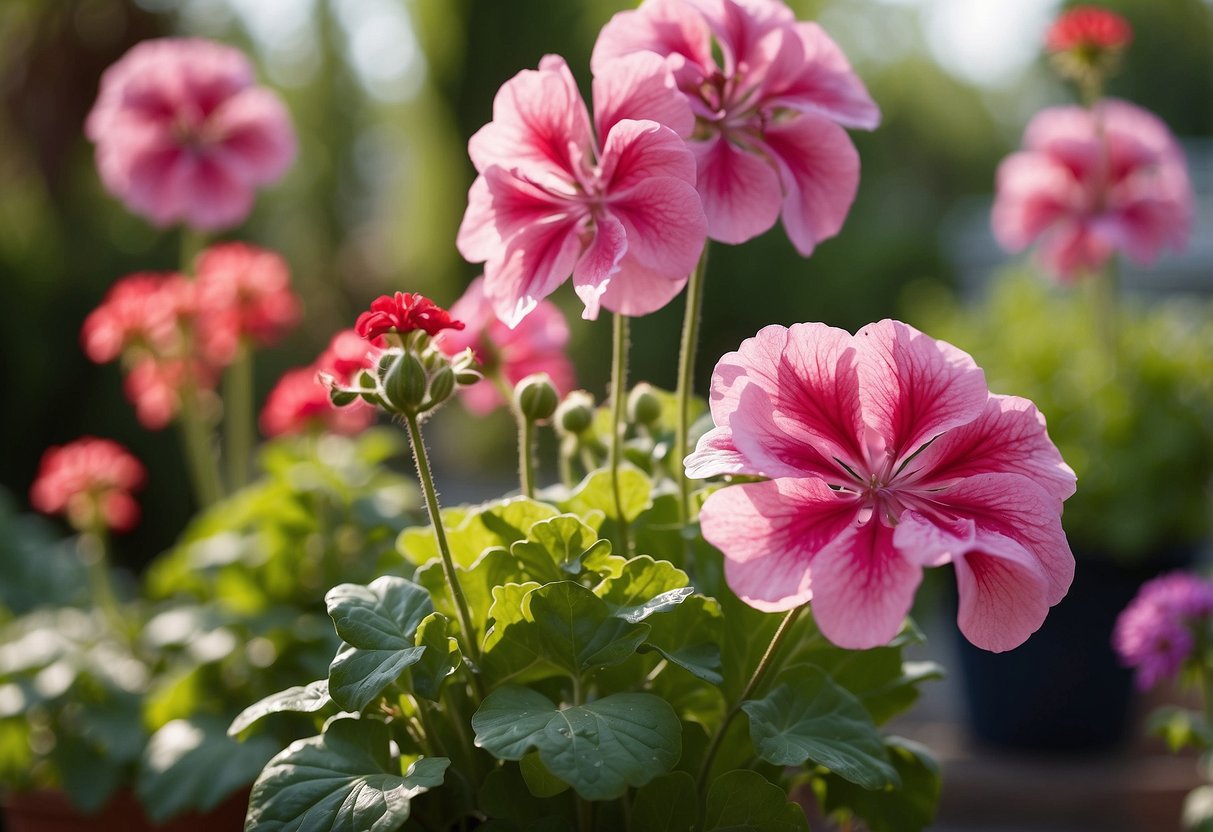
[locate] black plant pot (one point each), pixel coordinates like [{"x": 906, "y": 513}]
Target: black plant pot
[{"x": 1064, "y": 689}]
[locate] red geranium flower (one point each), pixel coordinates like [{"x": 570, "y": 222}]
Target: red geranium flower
[
  {"x": 1088, "y": 28},
  {"x": 89, "y": 481},
  {"x": 403, "y": 313}
]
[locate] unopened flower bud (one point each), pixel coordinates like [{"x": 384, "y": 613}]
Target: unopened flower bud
[
  {"x": 536, "y": 397},
  {"x": 405, "y": 383},
  {"x": 644, "y": 407},
  {"x": 576, "y": 413},
  {"x": 442, "y": 385},
  {"x": 466, "y": 378}
]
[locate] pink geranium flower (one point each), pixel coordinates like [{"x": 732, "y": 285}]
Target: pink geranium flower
[
  {"x": 886, "y": 453},
  {"x": 244, "y": 292},
  {"x": 89, "y": 480},
  {"x": 184, "y": 135},
  {"x": 767, "y": 138},
  {"x": 155, "y": 385},
  {"x": 347, "y": 355},
  {"x": 1157, "y": 632},
  {"x": 618, "y": 212},
  {"x": 140, "y": 312},
  {"x": 1090, "y": 183},
  {"x": 536, "y": 345},
  {"x": 299, "y": 404}
]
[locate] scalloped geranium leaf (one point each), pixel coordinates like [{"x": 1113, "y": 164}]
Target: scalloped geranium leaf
[
  {"x": 493, "y": 568},
  {"x": 909, "y": 808},
  {"x": 304, "y": 699},
  {"x": 194, "y": 764},
  {"x": 645, "y": 586},
  {"x": 745, "y": 801},
  {"x": 554, "y": 548},
  {"x": 600, "y": 748},
  {"x": 668, "y": 804},
  {"x": 807, "y": 717},
  {"x": 417, "y": 543},
  {"x": 596, "y": 493},
  {"x": 509, "y": 652},
  {"x": 440, "y": 659},
  {"x": 343, "y": 779},
  {"x": 378, "y": 623},
  {"x": 690, "y": 636},
  {"x": 573, "y": 628},
  {"x": 499, "y": 523}
]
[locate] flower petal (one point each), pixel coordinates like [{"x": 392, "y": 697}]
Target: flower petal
[
  {"x": 639, "y": 86},
  {"x": 665, "y": 226},
  {"x": 770, "y": 532},
  {"x": 740, "y": 190},
  {"x": 913, "y": 387},
  {"x": 257, "y": 138},
  {"x": 806, "y": 71},
  {"x": 501, "y": 203},
  {"x": 1034, "y": 191},
  {"x": 598, "y": 265},
  {"x": 715, "y": 455},
  {"x": 1008, "y": 437},
  {"x": 819, "y": 169},
  {"x": 535, "y": 261},
  {"x": 862, "y": 586},
  {"x": 637, "y": 151},
  {"x": 669, "y": 28}
]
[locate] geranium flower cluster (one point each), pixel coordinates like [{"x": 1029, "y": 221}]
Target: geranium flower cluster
[
  {"x": 299, "y": 404},
  {"x": 173, "y": 332},
  {"x": 1160, "y": 629},
  {"x": 90, "y": 482}
]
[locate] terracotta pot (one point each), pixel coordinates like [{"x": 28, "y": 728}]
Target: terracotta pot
[{"x": 49, "y": 810}]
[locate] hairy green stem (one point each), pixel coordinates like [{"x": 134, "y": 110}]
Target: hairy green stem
[
  {"x": 421, "y": 458},
  {"x": 238, "y": 417},
  {"x": 526, "y": 454},
  {"x": 199, "y": 452},
  {"x": 94, "y": 552},
  {"x": 760, "y": 672},
  {"x": 686, "y": 382},
  {"x": 619, "y": 384}
]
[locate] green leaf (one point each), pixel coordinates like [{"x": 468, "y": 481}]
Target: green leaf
[
  {"x": 667, "y": 804},
  {"x": 601, "y": 748},
  {"x": 506, "y": 798},
  {"x": 806, "y": 717},
  {"x": 596, "y": 493},
  {"x": 342, "y": 779},
  {"x": 689, "y": 636},
  {"x": 539, "y": 778},
  {"x": 493, "y": 568},
  {"x": 908, "y": 808},
  {"x": 193, "y": 764},
  {"x": 645, "y": 586},
  {"x": 440, "y": 659},
  {"x": 1180, "y": 728},
  {"x": 378, "y": 623},
  {"x": 554, "y": 548},
  {"x": 744, "y": 801},
  {"x": 508, "y": 652},
  {"x": 305, "y": 699},
  {"x": 496, "y": 524}
]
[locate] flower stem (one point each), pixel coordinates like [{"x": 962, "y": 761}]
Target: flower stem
[
  {"x": 760, "y": 672},
  {"x": 1106, "y": 311},
  {"x": 568, "y": 451},
  {"x": 94, "y": 552},
  {"x": 619, "y": 384},
  {"x": 238, "y": 417},
  {"x": 199, "y": 454},
  {"x": 421, "y": 458},
  {"x": 526, "y": 455},
  {"x": 686, "y": 381}
]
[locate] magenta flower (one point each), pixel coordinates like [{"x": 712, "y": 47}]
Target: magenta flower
[
  {"x": 618, "y": 212},
  {"x": 184, "y": 135},
  {"x": 536, "y": 345},
  {"x": 886, "y": 453},
  {"x": 1090, "y": 183},
  {"x": 767, "y": 138},
  {"x": 1155, "y": 634}
]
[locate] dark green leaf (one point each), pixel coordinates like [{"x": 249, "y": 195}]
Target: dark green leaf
[
  {"x": 342, "y": 779},
  {"x": 807, "y": 717},
  {"x": 744, "y": 801},
  {"x": 909, "y": 808},
  {"x": 689, "y": 636},
  {"x": 539, "y": 778},
  {"x": 193, "y": 764},
  {"x": 440, "y": 659},
  {"x": 306, "y": 699},
  {"x": 574, "y": 628},
  {"x": 667, "y": 804},
  {"x": 601, "y": 748},
  {"x": 645, "y": 586}
]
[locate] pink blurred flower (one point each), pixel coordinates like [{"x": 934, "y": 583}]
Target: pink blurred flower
[
  {"x": 184, "y": 135},
  {"x": 887, "y": 453},
  {"x": 1090, "y": 183},
  {"x": 299, "y": 404},
  {"x": 89, "y": 481},
  {"x": 243, "y": 292},
  {"x": 613, "y": 204},
  {"x": 348, "y": 354},
  {"x": 402, "y": 313},
  {"x": 140, "y": 312},
  {"x": 1155, "y": 633},
  {"x": 154, "y": 386},
  {"x": 536, "y": 345},
  {"x": 767, "y": 138}
]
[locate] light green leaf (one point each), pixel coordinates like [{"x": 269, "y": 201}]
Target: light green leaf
[
  {"x": 596, "y": 493},
  {"x": 508, "y": 651},
  {"x": 645, "y": 586},
  {"x": 440, "y": 659},
  {"x": 573, "y": 628},
  {"x": 496, "y": 524},
  {"x": 554, "y": 548},
  {"x": 667, "y": 804},
  {"x": 601, "y": 748},
  {"x": 378, "y": 623},
  {"x": 744, "y": 801},
  {"x": 305, "y": 699},
  {"x": 909, "y": 808},
  {"x": 1180, "y": 728},
  {"x": 193, "y": 764},
  {"x": 493, "y": 568},
  {"x": 342, "y": 779},
  {"x": 808, "y": 717}
]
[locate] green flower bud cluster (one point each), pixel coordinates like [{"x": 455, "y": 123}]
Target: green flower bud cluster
[{"x": 409, "y": 380}]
